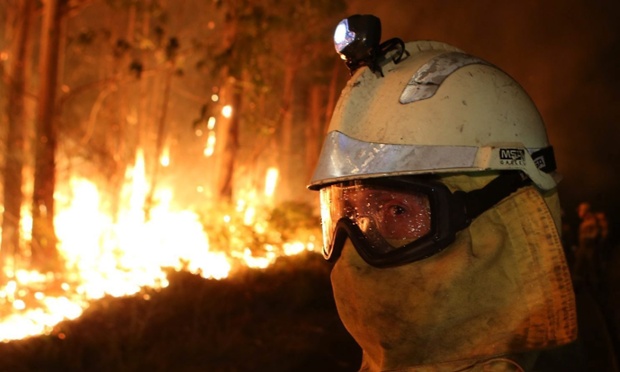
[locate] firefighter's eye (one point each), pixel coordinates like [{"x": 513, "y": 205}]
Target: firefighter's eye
[{"x": 396, "y": 210}]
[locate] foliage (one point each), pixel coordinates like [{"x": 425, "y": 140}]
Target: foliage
[
  {"x": 118, "y": 57},
  {"x": 225, "y": 226},
  {"x": 292, "y": 217}
]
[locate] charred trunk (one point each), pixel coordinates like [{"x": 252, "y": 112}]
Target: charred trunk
[
  {"x": 16, "y": 139},
  {"x": 231, "y": 147},
  {"x": 44, "y": 255},
  {"x": 313, "y": 131}
]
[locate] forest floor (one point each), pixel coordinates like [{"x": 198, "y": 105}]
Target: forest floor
[{"x": 282, "y": 318}]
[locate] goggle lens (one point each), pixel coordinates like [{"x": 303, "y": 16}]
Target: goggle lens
[
  {"x": 388, "y": 218},
  {"x": 396, "y": 220}
]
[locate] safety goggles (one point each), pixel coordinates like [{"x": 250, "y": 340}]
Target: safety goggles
[{"x": 398, "y": 220}]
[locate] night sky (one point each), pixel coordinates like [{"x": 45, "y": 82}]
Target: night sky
[{"x": 565, "y": 53}]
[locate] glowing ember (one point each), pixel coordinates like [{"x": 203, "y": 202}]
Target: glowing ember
[
  {"x": 271, "y": 181},
  {"x": 211, "y": 123},
  {"x": 227, "y": 111},
  {"x": 164, "y": 160},
  {"x": 120, "y": 256},
  {"x": 210, "y": 146}
]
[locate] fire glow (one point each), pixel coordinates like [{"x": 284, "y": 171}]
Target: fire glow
[{"x": 118, "y": 257}]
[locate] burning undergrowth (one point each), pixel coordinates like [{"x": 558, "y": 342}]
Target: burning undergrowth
[
  {"x": 282, "y": 318},
  {"x": 120, "y": 254},
  {"x": 224, "y": 287}
]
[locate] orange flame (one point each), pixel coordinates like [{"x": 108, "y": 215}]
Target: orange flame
[{"x": 119, "y": 257}]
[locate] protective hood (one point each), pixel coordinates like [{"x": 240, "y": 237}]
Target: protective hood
[{"x": 502, "y": 288}]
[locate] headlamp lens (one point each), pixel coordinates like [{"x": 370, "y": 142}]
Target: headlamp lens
[
  {"x": 356, "y": 37},
  {"x": 343, "y": 36}
]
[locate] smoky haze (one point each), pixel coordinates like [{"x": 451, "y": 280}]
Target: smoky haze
[{"x": 565, "y": 53}]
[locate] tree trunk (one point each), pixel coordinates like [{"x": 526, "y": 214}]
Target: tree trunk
[
  {"x": 117, "y": 137},
  {"x": 16, "y": 139},
  {"x": 159, "y": 145},
  {"x": 286, "y": 130},
  {"x": 145, "y": 88},
  {"x": 44, "y": 255},
  {"x": 332, "y": 96},
  {"x": 313, "y": 131},
  {"x": 231, "y": 146}
]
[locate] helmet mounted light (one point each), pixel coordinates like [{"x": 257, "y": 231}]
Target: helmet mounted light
[{"x": 358, "y": 41}]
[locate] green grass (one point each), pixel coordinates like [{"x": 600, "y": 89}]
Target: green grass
[{"x": 279, "y": 319}]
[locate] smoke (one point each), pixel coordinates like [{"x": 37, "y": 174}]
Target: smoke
[{"x": 566, "y": 55}]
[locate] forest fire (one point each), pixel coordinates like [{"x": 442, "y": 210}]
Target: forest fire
[
  {"x": 106, "y": 256},
  {"x": 125, "y": 77}
]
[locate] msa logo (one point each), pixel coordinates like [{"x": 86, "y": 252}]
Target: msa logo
[{"x": 512, "y": 157}]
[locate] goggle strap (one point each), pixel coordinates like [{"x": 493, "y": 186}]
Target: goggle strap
[{"x": 478, "y": 201}]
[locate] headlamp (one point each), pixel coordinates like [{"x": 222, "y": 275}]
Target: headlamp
[
  {"x": 357, "y": 37},
  {"x": 357, "y": 40}
]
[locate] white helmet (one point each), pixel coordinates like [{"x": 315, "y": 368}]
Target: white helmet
[
  {"x": 437, "y": 110},
  {"x": 421, "y": 108}
]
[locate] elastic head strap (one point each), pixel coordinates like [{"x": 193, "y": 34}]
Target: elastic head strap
[{"x": 470, "y": 205}]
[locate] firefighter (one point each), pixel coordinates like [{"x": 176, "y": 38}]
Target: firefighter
[
  {"x": 440, "y": 211},
  {"x": 587, "y": 256}
]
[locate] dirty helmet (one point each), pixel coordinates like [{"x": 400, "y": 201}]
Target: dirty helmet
[{"x": 420, "y": 110}]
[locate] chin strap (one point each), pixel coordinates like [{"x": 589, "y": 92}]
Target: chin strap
[{"x": 470, "y": 205}]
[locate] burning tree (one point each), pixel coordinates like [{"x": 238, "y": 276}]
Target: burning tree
[
  {"x": 279, "y": 74},
  {"x": 43, "y": 244},
  {"x": 188, "y": 112},
  {"x": 16, "y": 136}
]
